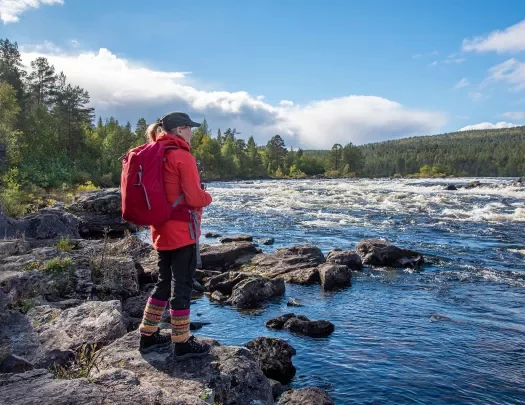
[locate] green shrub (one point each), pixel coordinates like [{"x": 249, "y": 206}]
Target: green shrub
[{"x": 64, "y": 245}]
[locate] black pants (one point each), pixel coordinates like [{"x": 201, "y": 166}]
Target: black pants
[{"x": 176, "y": 271}]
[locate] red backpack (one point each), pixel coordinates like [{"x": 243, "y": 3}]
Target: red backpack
[{"x": 142, "y": 191}]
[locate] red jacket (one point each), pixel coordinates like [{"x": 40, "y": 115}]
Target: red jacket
[{"x": 180, "y": 176}]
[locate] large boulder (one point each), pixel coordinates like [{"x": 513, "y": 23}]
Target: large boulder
[
  {"x": 252, "y": 292},
  {"x": 346, "y": 258},
  {"x": 301, "y": 325},
  {"x": 334, "y": 276},
  {"x": 49, "y": 223},
  {"x": 275, "y": 357},
  {"x": 293, "y": 261},
  {"x": 378, "y": 252},
  {"x": 227, "y": 256},
  {"x": 8, "y": 226},
  {"x": 13, "y": 247},
  {"x": 306, "y": 396},
  {"x": 100, "y": 211},
  {"x": 228, "y": 375}
]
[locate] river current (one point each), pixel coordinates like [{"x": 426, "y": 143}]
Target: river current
[{"x": 451, "y": 332}]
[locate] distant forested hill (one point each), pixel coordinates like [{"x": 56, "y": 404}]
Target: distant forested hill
[{"x": 495, "y": 152}]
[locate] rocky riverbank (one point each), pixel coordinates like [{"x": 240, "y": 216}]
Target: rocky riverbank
[{"x": 74, "y": 281}]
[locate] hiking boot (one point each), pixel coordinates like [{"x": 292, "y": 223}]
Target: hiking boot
[
  {"x": 154, "y": 340},
  {"x": 191, "y": 348}
]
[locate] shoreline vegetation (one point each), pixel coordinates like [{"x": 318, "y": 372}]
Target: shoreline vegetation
[{"x": 52, "y": 146}]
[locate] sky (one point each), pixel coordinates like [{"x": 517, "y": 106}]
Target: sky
[{"x": 315, "y": 72}]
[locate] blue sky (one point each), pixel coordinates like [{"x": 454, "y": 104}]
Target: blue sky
[{"x": 315, "y": 72}]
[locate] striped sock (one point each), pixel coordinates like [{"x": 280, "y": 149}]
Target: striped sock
[
  {"x": 152, "y": 316},
  {"x": 180, "y": 325}
]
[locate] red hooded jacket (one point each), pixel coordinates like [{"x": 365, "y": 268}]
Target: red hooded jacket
[{"x": 181, "y": 176}]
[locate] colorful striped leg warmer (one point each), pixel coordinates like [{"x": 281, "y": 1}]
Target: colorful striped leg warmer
[
  {"x": 152, "y": 316},
  {"x": 180, "y": 325}
]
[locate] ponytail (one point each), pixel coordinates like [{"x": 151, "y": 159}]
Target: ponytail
[{"x": 151, "y": 132}]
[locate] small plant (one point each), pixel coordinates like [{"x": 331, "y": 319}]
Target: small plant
[
  {"x": 26, "y": 305},
  {"x": 34, "y": 265},
  {"x": 87, "y": 357},
  {"x": 58, "y": 265},
  {"x": 64, "y": 245},
  {"x": 87, "y": 186}
]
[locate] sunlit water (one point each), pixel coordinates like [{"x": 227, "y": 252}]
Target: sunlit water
[{"x": 453, "y": 332}]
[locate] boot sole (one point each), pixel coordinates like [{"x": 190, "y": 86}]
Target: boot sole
[{"x": 191, "y": 355}]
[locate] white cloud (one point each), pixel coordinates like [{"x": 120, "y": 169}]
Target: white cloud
[
  {"x": 462, "y": 83},
  {"x": 454, "y": 60},
  {"x": 488, "y": 125},
  {"x": 511, "y": 39},
  {"x": 515, "y": 115},
  {"x": 476, "y": 95},
  {"x": 131, "y": 90},
  {"x": 11, "y": 9},
  {"x": 511, "y": 71},
  {"x": 433, "y": 63}
]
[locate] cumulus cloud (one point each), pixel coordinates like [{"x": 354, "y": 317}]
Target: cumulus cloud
[
  {"x": 511, "y": 39},
  {"x": 11, "y": 9},
  {"x": 518, "y": 115},
  {"x": 488, "y": 125},
  {"x": 462, "y": 83},
  {"x": 131, "y": 90}
]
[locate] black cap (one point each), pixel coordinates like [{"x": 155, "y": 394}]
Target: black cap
[{"x": 173, "y": 120}]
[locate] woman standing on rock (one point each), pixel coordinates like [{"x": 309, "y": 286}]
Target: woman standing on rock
[{"x": 175, "y": 241}]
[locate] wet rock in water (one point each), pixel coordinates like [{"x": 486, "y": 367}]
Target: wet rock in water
[
  {"x": 197, "y": 287},
  {"x": 277, "y": 388},
  {"x": 100, "y": 210},
  {"x": 278, "y": 323},
  {"x": 218, "y": 296},
  {"x": 306, "y": 276},
  {"x": 334, "y": 276},
  {"x": 252, "y": 292},
  {"x": 346, "y": 258},
  {"x": 225, "y": 282},
  {"x": 472, "y": 184},
  {"x": 306, "y": 396},
  {"x": 227, "y": 256},
  {"x": 292, "y": 302},
  {"x": 236, "y": 238},
  {"x": 267, "y": 241},
  {"x": 301, "y": 325},
  {"x": 290, "y": 260},
  {"x": 450, "y": 187},
  {"x": 212, "y": 235},
  {"x": 378, "y": 252},
  {"x": 275, "y": 357}
]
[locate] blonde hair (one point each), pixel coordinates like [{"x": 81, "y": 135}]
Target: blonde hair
[{"x": 152, "y": 131}]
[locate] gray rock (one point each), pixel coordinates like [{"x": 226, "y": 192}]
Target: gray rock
[
  {"x": 378, "y": 252},
  {"x": 40, "y": 387},
  {"x": 275, "y": 357},
  {"x": 227, "y": 256},
  {"x": 277, "y": 388},
  {"x": 450, "y": 187},
  {"x": 301, "y": 325},
  {"x": 334, "y": 276},
  {"x": 49, "y": 223},
  {"x": 236, "y": 238},
  {"x": 14, "y": 247},
  {"x": 267, "y": 241},
  {"x": 212, "y": 235},
  {"x": 307, "y": 276},
  {"x": 98, "y": 211},
  {"x": 288, "y": 260},
  {"x": 472, "y": 184},
  {"x": 225, "y": 282},
  {"x": 306, "y": 396},
  {"x": 218, "y": 296},
  {"x": 115, "y": 278},
  {"x": 8, "y": 226},
  {"x": 346, "y": 258},
  {"x": 292, "y": 302},
  {"x": 252, "y": 292},
  {"x": 228, "y": 375}
]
